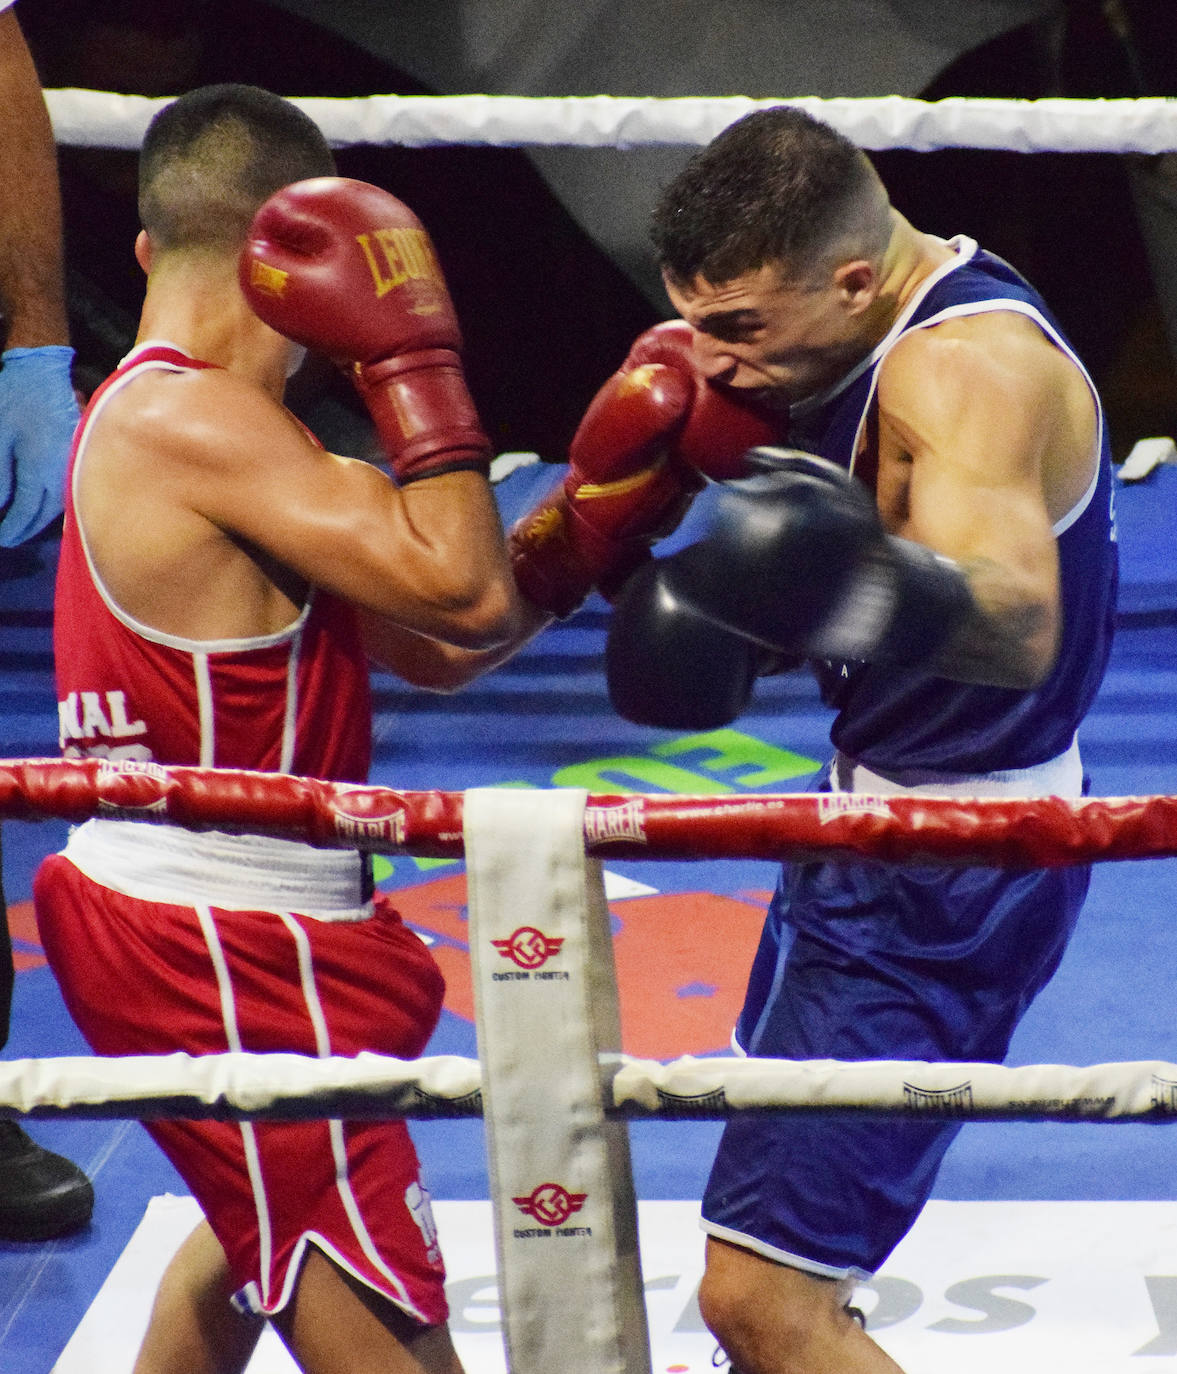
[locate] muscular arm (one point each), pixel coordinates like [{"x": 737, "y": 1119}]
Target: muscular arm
[
  {"x": 31, "y": 289},
  {"x": 187, "y": 459},
  {"x": 434, "y": 664},
  {"x": 982, "y": 415}
]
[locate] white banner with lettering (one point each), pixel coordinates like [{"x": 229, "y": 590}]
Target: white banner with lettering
[{"x": 1024, "y": 1287}]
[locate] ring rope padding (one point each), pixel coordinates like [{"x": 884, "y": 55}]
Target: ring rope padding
[
  {"x": 239, "y": 1086},
  {"x": 104, "y": 119},
  {"x": 1016, "y": 833},
  {"x": 1030, "y": 832}
]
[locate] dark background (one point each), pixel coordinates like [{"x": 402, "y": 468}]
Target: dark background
[{"x": 545, "y": 312}]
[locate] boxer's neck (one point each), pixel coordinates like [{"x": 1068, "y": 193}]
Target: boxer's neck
[
  {"x": 911, "y": 257},
  {"x": 193, "y": 301}
]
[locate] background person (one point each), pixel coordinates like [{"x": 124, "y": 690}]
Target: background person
[{"x": 42, "y": 1194}]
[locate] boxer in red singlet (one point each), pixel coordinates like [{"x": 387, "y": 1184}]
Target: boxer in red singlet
[{"x": 223, "y": 583}]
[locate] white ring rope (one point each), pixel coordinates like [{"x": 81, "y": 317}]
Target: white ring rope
[
  {"x": 102, "y": 119},
  {"x": 291, "y": 1086}
]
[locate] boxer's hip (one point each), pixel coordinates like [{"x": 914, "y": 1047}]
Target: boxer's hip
[{"x": 158, "y": 863}]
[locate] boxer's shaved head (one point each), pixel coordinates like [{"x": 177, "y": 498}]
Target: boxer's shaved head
[{"x": 210, "y": 158}]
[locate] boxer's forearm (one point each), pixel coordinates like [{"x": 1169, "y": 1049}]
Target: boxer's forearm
[{"x": 1011, "y": 637}]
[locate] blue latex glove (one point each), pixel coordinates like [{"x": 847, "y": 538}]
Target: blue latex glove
[{"x": 38, "y": 415}]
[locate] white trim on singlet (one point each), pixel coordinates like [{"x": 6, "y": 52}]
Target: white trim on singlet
[
  {"x": 199, "y": 650},
  {"x": 206, "y": 712},
  {"x": 1062, "y": 525},
  {"x": 144, "y": 631},
  {"x": 290, "y": 721},
  {"x": 966, "y": 250}
]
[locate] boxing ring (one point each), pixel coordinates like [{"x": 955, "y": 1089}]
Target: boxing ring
[{"x": 550, "y": 1081}]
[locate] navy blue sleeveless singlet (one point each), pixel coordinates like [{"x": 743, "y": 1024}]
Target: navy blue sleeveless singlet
[{"x": 897, "y": 720}]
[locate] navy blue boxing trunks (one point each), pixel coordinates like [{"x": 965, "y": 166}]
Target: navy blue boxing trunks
[{"x": 867, "y": 960}]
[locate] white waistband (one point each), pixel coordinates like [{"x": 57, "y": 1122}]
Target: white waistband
[
  {"x": 163, "y": 863},
  {"x": 1061, "y": 776}
]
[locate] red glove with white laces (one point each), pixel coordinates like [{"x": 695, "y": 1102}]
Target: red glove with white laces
[
  {"x": 650, "y": 435},
  {"x": 345, "y": 268}
]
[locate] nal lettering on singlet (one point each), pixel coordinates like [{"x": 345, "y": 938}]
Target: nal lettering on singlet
[{"x": 97, "y": 725}]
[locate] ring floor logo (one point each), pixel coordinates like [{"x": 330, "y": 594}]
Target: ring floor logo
[{"x": 1024, "y": 1287}]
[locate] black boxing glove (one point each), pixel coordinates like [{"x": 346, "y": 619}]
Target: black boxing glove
[
  {"x": 667, "y": 665},
  {"x": 796, "y": 559}
]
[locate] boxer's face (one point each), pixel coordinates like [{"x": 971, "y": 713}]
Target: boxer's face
[{"x": 773, "y": 337}]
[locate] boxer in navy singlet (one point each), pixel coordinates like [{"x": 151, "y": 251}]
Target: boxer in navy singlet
[{"x": 939, "y": 541}]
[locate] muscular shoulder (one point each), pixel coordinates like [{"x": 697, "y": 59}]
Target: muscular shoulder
[
  {"x": 992, "y": 393},
  {"x": 201, "y": 420},
  {"x": 180, "y": 460},
  {"x": 975, "y": 359}
]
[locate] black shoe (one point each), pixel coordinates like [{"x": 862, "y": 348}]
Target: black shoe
[{"x": 42, "y": 1195}]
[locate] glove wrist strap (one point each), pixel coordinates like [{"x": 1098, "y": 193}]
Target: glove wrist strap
[{"x": 424, "y": 415}]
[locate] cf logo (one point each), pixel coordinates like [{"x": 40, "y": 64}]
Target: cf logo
[{"x": 528, "y": 947}]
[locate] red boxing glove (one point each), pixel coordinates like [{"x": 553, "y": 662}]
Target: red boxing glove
[
  {"x": 633, "y": 467},
  {"x": 721, "y": 424},
  {"x": 343, "y": 267}
]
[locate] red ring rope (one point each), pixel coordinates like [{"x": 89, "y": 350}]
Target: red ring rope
[{"x": 1044, "y": 832}]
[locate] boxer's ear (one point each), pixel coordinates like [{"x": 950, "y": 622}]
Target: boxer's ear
[{"x": 858, "y": 284}]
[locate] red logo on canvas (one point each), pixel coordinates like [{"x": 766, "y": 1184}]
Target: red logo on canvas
[
  {"x": 550, "y": 1204},
  {"x": 528, "y": 947}
]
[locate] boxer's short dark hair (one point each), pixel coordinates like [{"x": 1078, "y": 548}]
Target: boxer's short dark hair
[
  {"x": 212, "y": 156},
  {"x": 777, "y": 186}
]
